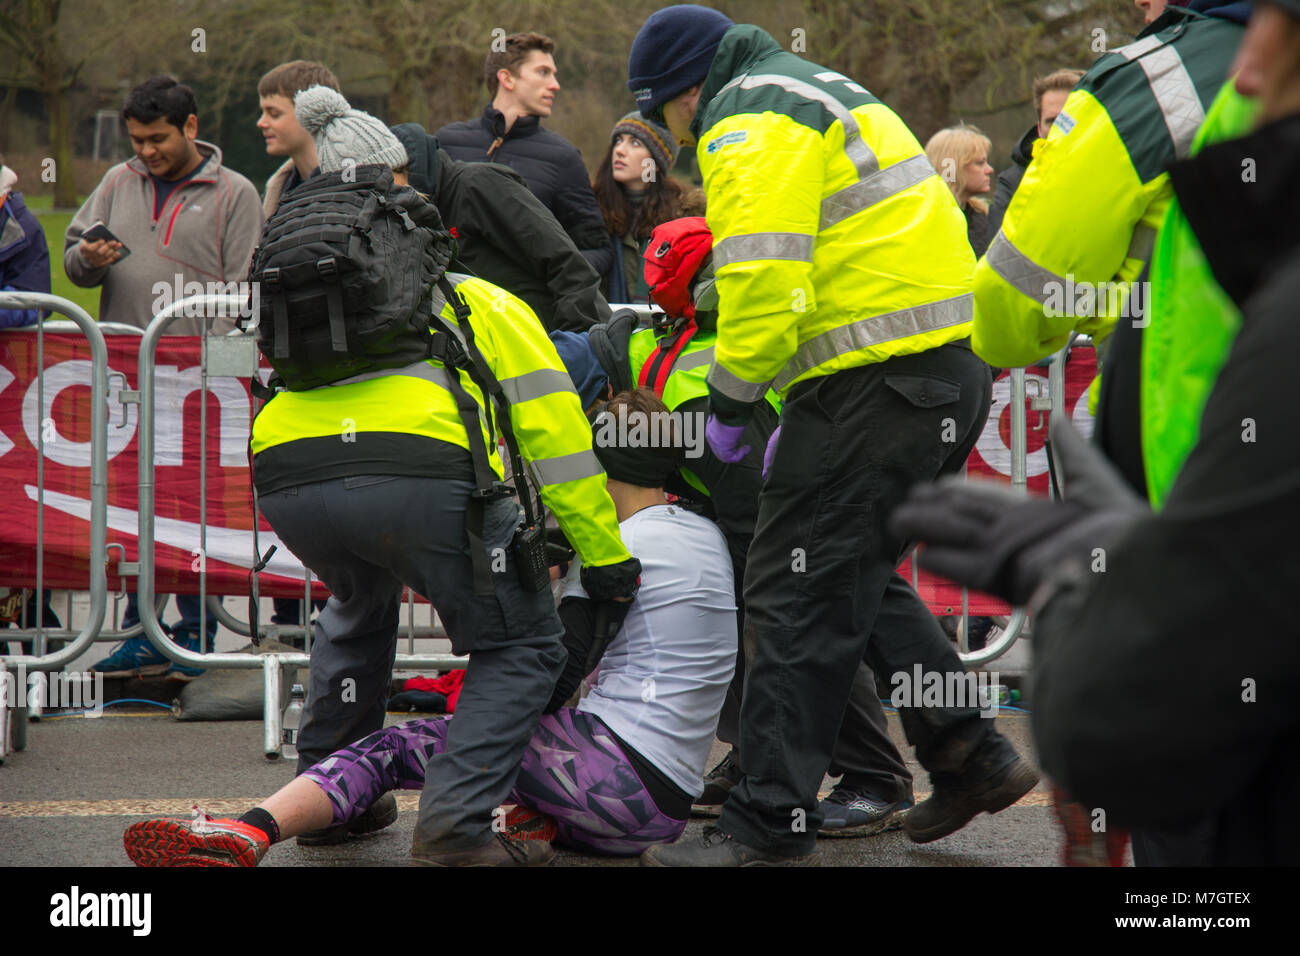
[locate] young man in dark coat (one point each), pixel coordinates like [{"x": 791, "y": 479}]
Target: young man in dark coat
[{"x": 521, "y": 79}]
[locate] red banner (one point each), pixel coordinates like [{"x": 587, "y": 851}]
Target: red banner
[
  {"x": 64, "y": 421},
  {"x": 991, "y": 460},
  {"x": 62, "y": 418}
]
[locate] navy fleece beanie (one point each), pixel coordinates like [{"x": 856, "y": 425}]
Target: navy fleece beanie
[
  {"x": 672, "y": 52},
  {"x": 581, "y": 364}
]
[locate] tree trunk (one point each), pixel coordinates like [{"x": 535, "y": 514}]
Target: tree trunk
[{"x": 65, "y": 182}]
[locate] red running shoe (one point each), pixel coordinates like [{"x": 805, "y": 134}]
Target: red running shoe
[
  {"x": 203, "y": 841},
  {"x": 525, "y": 824}
]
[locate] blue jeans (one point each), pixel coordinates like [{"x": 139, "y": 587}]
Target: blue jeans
[{"x": 185, "y": 629}]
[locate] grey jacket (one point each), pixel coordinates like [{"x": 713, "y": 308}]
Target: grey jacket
[{"x": 205, "y": 233}]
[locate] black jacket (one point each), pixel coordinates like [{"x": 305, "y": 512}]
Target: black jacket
[
  {"x": 977, "y": 229},
  {"x": 1009, "y": 179},
  {"x": 551, "y": 166},
  {"x": 1168, "y": 688},
  {"x": 506, "y": 235}
]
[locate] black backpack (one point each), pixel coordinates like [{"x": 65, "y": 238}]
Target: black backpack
[{"x": 345, "y": 268}]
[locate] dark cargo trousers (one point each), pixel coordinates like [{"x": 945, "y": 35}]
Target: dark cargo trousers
[
  {"x": 365, "y": 537},
  {"x": 864, "y": 752},
  {"x": 821, "y": 590}
]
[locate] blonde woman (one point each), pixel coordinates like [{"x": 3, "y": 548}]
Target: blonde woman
[{"x": 960, "y": 154}]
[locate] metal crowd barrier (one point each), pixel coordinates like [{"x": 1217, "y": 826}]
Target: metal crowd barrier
[
  {"x": 236, "y": 355},
  {"x": 239, "y": 358},
  {"x": 40, "y": 662}
]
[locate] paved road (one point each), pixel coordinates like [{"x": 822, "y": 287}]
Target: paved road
[{"x": 66, "y": 800}]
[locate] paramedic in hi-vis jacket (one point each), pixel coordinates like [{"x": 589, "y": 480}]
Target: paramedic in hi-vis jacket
[{"x": 844, "y": 283}]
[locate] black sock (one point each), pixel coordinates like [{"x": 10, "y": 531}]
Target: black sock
[{"x": 257, "y": 817}]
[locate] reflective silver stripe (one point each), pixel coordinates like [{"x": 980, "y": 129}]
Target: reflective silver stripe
[
  {"x": 734, "y": 387},
  {"x": 1143, "y": 243},
  {"x": 763, "y": 245},
  {"x": 873, "y": 331},
  {"x": 685, "y": 363},
  {"x": 556, "y": 471},
  {"x": 1019, "y": 270},
  {"x": 430, "y": 373},
  {"x": 859, "y": 153},
  {"x": 1139, "y": 47},
  {"x": 1172, "y": 87},
  {"x": 1176, "y": 94},
  {"x": 879, "y": 186},
  {"x": 544, "y": 381}
]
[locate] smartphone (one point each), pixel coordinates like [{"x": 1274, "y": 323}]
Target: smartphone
[{"x": 98, "y": 231}]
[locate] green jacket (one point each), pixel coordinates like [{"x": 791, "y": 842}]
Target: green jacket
[
  {"x": 1192, "y": 322},
  {"x": 1079, "y": 229}
]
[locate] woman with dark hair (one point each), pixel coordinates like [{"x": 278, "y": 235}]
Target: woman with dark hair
[{"x": 636, "y": 193}]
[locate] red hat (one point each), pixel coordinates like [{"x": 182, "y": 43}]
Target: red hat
[{"x": 673, "y": 256}]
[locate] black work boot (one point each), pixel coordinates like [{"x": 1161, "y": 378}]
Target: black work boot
[
  {"x": 992, "y": 779},
  {"x": 716, "y": 848},
  {"x": 717, "y": 784},
  {"x": 380, "y": 814}
]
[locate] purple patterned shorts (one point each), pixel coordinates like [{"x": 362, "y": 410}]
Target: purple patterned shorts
[{"x": 573, "y": 770}]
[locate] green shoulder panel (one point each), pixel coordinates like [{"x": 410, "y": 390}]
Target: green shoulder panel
[
  {"x": 779, "y": 82},
  {"x": 1145, "y": 86}
]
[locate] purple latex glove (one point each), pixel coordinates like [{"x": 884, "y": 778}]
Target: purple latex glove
[
  {"x": 723, "y": 439},
  {"x": 770, "y": 452}
]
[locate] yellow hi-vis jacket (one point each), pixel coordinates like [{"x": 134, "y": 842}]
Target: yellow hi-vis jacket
[
  {"x": 405, "y": 421},
  {"x": 1081, "y": 226},
  {"x": 835, "y": 242}
]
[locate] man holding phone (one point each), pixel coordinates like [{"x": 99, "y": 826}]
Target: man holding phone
[{"x": 182, "y": 217}]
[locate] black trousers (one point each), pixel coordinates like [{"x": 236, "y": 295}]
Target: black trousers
[
  {"x": 864, "y": 753},
  {"x": 821, "y": 590}
]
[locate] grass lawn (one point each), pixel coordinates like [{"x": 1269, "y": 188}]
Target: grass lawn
[{"x": 55, "y": 224}]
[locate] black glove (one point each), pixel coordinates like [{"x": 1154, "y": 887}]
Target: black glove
[
  {"x": 612, "y": 581},
  {"x": 558, "y": 549},
  {"x": 996, "y": 540}
]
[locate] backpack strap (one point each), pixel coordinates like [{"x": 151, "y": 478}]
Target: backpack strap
[
  {"x": 275, "y": 291},
  {"x": 328, "y": 269},
  {"x": 455, "y": 348},
  {"x": 659, "y": 365}
]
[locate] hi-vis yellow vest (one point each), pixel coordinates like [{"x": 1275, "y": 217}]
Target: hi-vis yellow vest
[
  {"x": 413, "y": 404},
  {"x": 1081, "y": 226},
  {"x": 836, "y": 244}
]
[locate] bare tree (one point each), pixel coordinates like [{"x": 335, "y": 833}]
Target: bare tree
[
  {"x": 44, "y": 51},
  {"x": 931, "y": 58}
]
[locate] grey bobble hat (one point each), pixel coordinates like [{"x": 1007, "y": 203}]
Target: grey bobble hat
[{"x": 342, "y": 133}]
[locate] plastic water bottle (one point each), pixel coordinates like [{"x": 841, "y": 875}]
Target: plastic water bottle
[
  {"x": 292, "y": 721},
  {"x": 1004, "y": 695}
]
